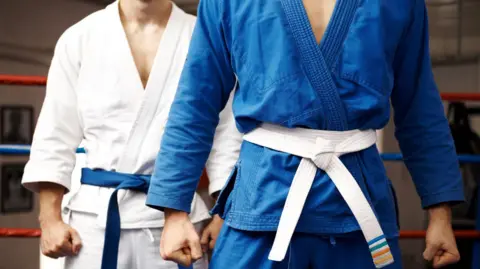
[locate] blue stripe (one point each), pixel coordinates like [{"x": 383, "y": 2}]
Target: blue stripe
[{"x": 375, "y": 240}]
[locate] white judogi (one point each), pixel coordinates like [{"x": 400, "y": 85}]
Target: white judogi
[{"x": 95, "y": 95}]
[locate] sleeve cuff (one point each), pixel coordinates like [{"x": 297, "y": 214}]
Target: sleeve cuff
[
  {"x": 451, "y": 197},
  {"x": 215, "y": 186},
  {"x": 33, "y": 176},
  {"x": 161, "y": 201}
]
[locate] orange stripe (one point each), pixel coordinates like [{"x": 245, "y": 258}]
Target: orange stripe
[
  {"x": 381, "y": 252},
  {"x": 384, "y": 259}
]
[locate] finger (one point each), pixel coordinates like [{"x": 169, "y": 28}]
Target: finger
[
  {"x": 196, "y": 249},
  {"x": 181, "y": 258},
  {"x": 429, "y": 252},
  {"x": 76, "y": 241},
  {"x": 205, "y": 239},
  {"x": 54, "y": 251},
  {"x": 162, "y": 251},
  {"x": 49, "y": 253},
  {"x": 212, "y": 243},
  {"x": 66, "y": 249},
  {"x": 445, "y": 259}
]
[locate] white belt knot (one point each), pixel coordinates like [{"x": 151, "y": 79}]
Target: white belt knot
[
  {"x": 324, "y": 152},
  {"x": 321, "y": 150}
]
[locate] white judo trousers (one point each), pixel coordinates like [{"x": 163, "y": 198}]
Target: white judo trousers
[{"x": 138, "y": 249}]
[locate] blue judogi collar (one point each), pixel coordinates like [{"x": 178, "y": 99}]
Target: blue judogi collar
[{"x": 108, "y": 179}]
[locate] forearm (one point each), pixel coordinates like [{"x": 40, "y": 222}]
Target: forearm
[{"x": 51, "y": 196}]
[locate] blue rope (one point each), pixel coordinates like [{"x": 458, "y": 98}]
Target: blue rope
[
  {"x": 22, "y": 150},
  {"x": 25, "y": 149},
  {"x": 461, "y": 158}
]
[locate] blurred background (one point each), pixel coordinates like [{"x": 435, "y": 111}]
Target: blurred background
[{"x": 29, "y": 30}]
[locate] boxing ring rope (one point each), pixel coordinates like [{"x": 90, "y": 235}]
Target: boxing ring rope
[
  {"x": 25, "y": 149},
  {"x": 23, "y": 80},
  {"x": 33, "y": 233},
  {"x": 41, "y": 81},
  {"x": 404, "y": 234}
]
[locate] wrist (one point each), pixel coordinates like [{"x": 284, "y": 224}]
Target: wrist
[
  {"x": 173, "y": 214},
  {"x": 46, "y": 219},
  {"x": 440, "y": 213},
  {"x": 50, "y": 196},
  {"x": 217, "y": 218}
]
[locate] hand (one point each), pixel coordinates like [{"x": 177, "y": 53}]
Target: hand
[
  {"x": 441, "y": 247},
  {"x": 180, "y": 242},
  {"x": 59, "y": 239},
  {"x": 210, "y": 233}
]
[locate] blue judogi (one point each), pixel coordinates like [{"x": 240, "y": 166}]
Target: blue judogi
[
  {"x": 109, "y": 179},
  {"x": 372, "y": 52}
]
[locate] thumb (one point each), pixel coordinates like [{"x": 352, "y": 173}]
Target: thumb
[
  {"x": 195, "y": 248},
  {"x": 430, "y": 252},
  {"x": 76, "y": 241}
]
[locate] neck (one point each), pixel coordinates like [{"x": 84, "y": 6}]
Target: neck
[{"x": 145, "y": 11}]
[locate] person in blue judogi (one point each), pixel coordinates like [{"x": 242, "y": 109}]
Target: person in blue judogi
[{"x": 314, "y": 80}]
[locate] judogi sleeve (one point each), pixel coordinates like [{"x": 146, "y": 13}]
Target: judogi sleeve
[
  {"x": 225, "y": 150},
  {"x": 58, "y": 132},
  {"x": 421, "y": 126},
  {"x": 204, "y": 89}
]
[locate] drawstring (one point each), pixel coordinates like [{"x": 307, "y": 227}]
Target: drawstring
[{"x": 149, "y": 234}]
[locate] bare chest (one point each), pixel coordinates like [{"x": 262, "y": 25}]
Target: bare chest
[
  {"x": 144, "y": 48},
  {"x": 319, "y": 13}
]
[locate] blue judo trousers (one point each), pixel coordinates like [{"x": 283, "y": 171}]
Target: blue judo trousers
[
  {"x": 237, "y": 249},
  {"x": 118, "y": 181}
]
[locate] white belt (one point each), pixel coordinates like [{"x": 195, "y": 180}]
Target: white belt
[{"x": 321, "y": 150}]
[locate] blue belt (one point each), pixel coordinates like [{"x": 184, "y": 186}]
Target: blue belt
[{"x": 118, "y": 181}]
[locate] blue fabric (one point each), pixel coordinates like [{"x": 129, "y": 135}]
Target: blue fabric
[
  {"x": 372, "y": 54},
  {"x": 476, "y": 244},
  {"x": 118, "y": 181},
  {"x": 236, "y": 249}
]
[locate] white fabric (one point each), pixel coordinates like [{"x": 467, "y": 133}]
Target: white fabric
[
  {"x": 95, "y": 96},
  {"x": 319, "y": 150},
  {"x": 138, "y": 248}
]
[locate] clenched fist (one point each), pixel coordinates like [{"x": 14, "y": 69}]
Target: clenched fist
[
  {"x": 59, "y": 239},
  {"x": 180, "y": 242},
  {"x": 441, "y": 247},
  {"x": 210, "y": 233}
]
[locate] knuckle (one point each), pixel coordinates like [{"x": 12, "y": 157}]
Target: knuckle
[{"x": 167, "y": 254}]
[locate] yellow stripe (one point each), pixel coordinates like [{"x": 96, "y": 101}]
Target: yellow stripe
[
  {"x": 381, "y": 252},
  {"x": 384, "y": 259}
]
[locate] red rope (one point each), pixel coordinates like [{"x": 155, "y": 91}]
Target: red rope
[
  {"x": 471, "y": 234},
  {"x": 23, "y": 80},
  {"x": 450, "y": 96},
  {"x": 14, "y": 232},
  {"x": 39, "y": 80},
  {"x": 463, "y": 234}
]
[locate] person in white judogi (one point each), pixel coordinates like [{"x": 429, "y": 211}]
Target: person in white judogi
[{"x": 110, "y": 85}]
